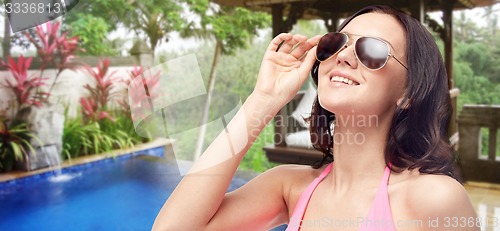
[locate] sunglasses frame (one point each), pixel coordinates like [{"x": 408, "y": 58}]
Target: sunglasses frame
[{"x": 356, "y": 55}]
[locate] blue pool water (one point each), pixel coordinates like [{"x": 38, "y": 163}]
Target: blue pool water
[{"x": 120, "y": 194}]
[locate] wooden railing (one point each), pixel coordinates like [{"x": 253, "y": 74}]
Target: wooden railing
[{"x": 477, "y": 167}]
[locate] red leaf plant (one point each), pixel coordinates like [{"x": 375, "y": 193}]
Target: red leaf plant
[
  {"x": 21, "y": 84},
  {"x": 91, "y": 111},
  {"x": 100, "y": 93},
  {"x": 53, "y": 49},
  {"x": 137, "y": 89}
]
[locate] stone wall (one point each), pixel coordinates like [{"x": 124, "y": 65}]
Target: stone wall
[{"x": 69, "y": 88}]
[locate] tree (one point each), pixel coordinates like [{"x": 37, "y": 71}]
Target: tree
[
  {"x": 231, "y": 28},
  {"x": 465, "y": 29},
  {"x": 152, "y": 18},
  {"x": 111, "y": 11},
  {"x": 91, "y": 32}
]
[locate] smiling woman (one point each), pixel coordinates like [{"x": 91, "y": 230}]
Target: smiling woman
[{"x": 381, "y": 66}]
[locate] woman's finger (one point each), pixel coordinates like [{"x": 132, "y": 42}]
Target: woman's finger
[
  {"x": 314, "y": 40},
  {"x": 300, "y": 47},
  {"x": 304, "y": 47},
  {"x": 273, "y": 46},
  {"x": 307, "y": 63},
  {"x": 287, "y": 45}
]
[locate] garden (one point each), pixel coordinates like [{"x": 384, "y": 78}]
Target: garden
[{"x": 72, "y": 98}]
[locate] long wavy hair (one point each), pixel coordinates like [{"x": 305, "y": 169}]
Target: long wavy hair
[{"x": 417, "y": 137}]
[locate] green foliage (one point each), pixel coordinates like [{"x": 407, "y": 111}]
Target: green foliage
[
  {"x": 476, "y": 65},
  {"x": 96, "y": 137},
  {"x": 235, "y": 26},
  {"x": 256, "y": 159},
  {"x": 111, "y": 11},
  {"x": 152, "y": 18},
  {"x": 485, "y": 139},
  {"x": 474, "y": 74},
  {"x": 14, "y": 144},
  {"x": 309, "y": 28},
  {"x": 91, "y": 32}
]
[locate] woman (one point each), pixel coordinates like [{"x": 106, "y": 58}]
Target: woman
[{"x": 382, "y": 83}]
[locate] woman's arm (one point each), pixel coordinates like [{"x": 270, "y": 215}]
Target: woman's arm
[{"x": 199, "y": 202}]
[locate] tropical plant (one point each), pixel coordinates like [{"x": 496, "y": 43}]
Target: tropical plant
[
  {"x": 91, "y": 111},
  {"x": 91, "y": 32},
  {"x": 99, "y": 129},
  {"x": 96, "y": 105},
  {"x": 83, "y": 139},
  {"x": 93, "y": 137},
  {"x": 152, "y": 19},
  {"x": 23, "y": 85},
  {"x": 14, "y": 144},
  {"x": 53, "y": 49},
  {"x": 136, "y": 92}
]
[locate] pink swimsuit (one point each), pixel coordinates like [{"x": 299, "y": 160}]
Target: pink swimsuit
[{"x": 379, "y": 217}]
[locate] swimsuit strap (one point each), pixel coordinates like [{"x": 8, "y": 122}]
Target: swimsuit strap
[
  {"x": 379, "y": 217},
  {"x": 300, "y": 208}
]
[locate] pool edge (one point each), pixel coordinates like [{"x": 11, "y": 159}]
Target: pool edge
[{"x": 12, "y": 176}]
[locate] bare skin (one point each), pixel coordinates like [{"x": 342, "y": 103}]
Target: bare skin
[{"x": 200, "y": 203}]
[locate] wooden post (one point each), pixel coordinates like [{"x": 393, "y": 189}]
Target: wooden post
[
  {"x": 447, "y": 36},
  {"x": 277, "y": 15},
  {"x": 417, "y": 9},
  {"x": 331, "y": 22}
]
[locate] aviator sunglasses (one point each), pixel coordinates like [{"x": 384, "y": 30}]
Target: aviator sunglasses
[{"x": 372, "y": 52}]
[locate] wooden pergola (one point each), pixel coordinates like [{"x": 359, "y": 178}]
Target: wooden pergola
[{"x": 285, "y": 14}]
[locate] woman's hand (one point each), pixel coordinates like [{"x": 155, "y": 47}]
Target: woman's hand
[{"x": 284, "y": 70}]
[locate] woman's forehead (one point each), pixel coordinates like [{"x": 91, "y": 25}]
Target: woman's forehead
[{"x": 380, "y": 25}]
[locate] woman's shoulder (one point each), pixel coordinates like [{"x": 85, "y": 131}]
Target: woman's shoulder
[
  {"x": 434, "y": 195},
  {"x": 293, "y": 174},
  {"x": 295, "y": 179},
  {"x": 434, "y": 187}
]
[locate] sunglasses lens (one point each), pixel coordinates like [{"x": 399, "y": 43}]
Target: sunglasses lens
[
  {"x": 329, "y": 45},
  {"x": 372, "y": 52}
]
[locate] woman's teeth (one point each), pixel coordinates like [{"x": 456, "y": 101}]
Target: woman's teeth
[{"x": 343, "y": 80}]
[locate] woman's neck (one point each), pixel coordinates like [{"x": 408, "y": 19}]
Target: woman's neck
[{"x": 359, "y": 149}]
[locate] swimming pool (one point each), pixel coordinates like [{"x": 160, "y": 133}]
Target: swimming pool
[{"x": 124, "y": 193}]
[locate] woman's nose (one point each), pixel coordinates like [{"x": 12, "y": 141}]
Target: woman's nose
[{"x": 347, "y": 57}]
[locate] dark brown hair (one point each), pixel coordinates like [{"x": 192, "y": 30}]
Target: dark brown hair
[{"x": 418, "y": 134}]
